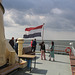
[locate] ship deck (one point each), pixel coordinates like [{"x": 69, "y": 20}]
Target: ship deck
[{"x": 61, "y": 66}]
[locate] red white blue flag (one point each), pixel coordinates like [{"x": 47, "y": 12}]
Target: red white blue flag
[{"x": 32, "y": 32}]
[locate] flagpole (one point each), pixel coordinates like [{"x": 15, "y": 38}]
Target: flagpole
[{"x": 43, "y": 32}]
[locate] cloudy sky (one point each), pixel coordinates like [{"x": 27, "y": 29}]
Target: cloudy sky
[{"x": 58, "y": 16}]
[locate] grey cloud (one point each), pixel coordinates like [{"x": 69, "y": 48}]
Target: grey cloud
[
  {"x": 60, "y": 24},
  {"x": 17, "y": 4},
  {"x": 38, "y": 6},
  {"x": 65, "y": 21}
]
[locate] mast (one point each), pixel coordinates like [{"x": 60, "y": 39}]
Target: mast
[{"x": 43, "y": 32}]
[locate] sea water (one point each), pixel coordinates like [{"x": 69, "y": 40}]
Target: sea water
[{"x": 59, "y": 44}]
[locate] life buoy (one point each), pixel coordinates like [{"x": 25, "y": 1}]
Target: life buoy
[{"x": 68, "y": 51}]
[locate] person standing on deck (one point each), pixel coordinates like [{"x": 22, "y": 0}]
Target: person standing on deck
[
  {"x": 31, "y": 44},
  {"x": 34, "y": 45},
  {"x": 43, "y": 51},
  {"x": 11, "y": 42},
  {"x": 52, "y": 51}
]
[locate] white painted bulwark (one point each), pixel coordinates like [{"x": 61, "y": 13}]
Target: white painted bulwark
[
  {"x": 10, "y": 52},
  {"x": 0, "y": 1},
  {"x": 2, "y": 38}
]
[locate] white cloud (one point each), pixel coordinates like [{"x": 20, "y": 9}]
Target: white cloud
[
  {"x": 27, "y": 16},
  {"x": 56, "y": 11},
  {"x": 32, "y": 17},
  {"x": 8, "y": 17},
  {"x": 41, "y": 17}
]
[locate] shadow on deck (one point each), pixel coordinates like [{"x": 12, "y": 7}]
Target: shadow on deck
[{"x": 39, "y": 71}]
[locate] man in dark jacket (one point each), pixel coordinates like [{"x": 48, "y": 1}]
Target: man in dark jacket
[
  {"x": 34, "y": 45},
  {"x": 12, "y": 42}
]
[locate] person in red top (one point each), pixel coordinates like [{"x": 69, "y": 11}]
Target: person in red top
[{"x": 31, "y": 44}]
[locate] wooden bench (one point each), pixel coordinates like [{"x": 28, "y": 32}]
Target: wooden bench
[
  {"x": 9, "y": 69},
  {"x": 28, "y": 57},
  {"x": 27, "y": 50}
]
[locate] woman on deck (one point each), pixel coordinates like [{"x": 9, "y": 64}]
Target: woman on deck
[
  {"x": 52, "y": 51},
  {"x": 43, "y": 51}
]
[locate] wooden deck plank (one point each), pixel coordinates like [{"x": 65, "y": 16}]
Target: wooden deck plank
[
  {"x": 72, "y": 62},
  {"x": 72, "y": 57},
  {"x": 73, "y": 69}
]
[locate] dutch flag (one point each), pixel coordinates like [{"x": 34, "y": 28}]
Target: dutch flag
[{"x": 32, "y": 32}]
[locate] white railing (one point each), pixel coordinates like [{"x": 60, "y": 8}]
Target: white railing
[{"x": 57, "y": 48}]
